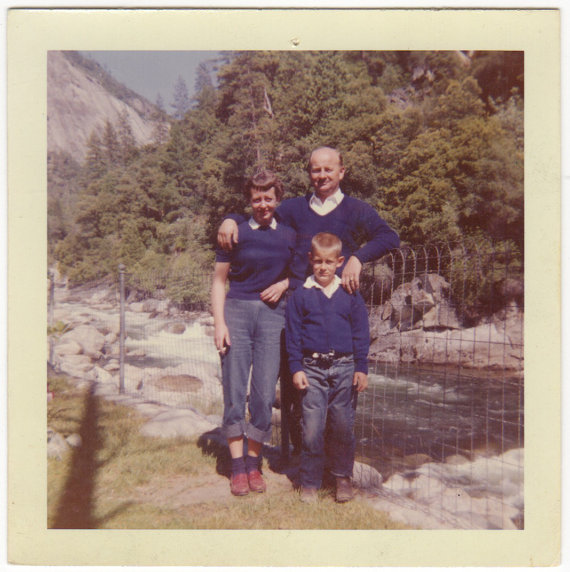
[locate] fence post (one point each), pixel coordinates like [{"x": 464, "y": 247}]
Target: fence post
[
  {"x": 51, "y": 298},
  {"x": 122, "y": 333}
]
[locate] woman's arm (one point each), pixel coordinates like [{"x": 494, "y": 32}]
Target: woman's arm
[
  {"x": 221, "y": 332},
  {"x": 272, "y": 294}
]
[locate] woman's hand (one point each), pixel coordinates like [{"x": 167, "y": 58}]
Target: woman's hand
[
  {"x": 222, "y": 338},
  {"x": 272, "y": 294},
  {"x": 228, "y": 234}
]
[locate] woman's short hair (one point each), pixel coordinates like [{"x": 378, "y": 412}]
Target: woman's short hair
[{"x": 263, "y": 181}]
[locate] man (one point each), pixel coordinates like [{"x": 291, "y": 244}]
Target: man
[{"x": 328, "y": 209}]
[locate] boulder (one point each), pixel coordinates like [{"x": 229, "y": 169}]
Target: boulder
[
  {"x": 365, "y": 476},
  {"x": 57, "y": 446},
  {"x": 89, "y": 337},
  {"x": 102, "y": 375},
  {"x": 421, "y": 303},
  {"x": 176, "y": 423},
  {"x": 68, "y": 347},
  {"x": 76, "y": 365},
  {"x": 175, "y": 328},
  {"x": 180, "y": 383},
  {"x": 134, "y": 377},
  {"x": 74, "y": 440}
]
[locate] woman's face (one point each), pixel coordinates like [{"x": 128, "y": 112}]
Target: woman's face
[{"x": 263, "y": 204}]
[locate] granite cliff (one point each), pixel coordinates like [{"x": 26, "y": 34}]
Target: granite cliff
[{"x": 82, "y": 97}]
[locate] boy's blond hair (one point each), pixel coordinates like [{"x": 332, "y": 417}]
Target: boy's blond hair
[{"x": 328, "y": 242}]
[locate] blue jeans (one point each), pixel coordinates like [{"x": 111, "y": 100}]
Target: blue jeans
[
  {"x": 328, "y": 403},
  {"x": 255, "y": 334}
]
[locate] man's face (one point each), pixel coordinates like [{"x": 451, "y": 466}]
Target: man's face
[
  {"x": 325, "y": 263},
  {"x": 325, "y": 172}
]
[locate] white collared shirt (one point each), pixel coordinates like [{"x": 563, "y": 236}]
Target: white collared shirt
[
  {"x": 255, "y": 225},
  {"x": 329, "y": 290},
  {"x": 329, "y": 204}
]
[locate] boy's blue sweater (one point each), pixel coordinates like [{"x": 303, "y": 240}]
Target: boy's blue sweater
[
  {"x": 260, "y": 259},
  {"x": 353, "y": 221},
  {"x": 316, "y": 323}
]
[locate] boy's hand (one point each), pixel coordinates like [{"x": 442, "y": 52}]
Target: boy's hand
[
  {"x": 300, "y": 380},
  {"x": 350, "y": 278},
  {"x": 228, "y": 234},
  {"x": 360, "y": 380}
]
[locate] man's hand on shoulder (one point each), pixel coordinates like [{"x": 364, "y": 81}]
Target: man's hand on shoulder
[
  {"x": 350, "y": 278},
  {"x": 228, "y": 234}
]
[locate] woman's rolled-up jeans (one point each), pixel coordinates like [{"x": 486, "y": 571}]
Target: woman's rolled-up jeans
[{"x": 255, "y": 335}]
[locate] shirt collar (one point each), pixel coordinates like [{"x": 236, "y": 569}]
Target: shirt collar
[
  {"x": 335, "y": 198},
  {"x": 255, "y": 225},
  {"x": 310, "y": 282}
]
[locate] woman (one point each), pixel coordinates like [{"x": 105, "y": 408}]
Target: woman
[{"x": 248, "y": 323}]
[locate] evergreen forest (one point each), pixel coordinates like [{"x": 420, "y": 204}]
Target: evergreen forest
[{"x": 432, "y": 140}]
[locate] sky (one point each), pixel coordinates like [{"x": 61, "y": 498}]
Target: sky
[{"x": 152, "y": 73}]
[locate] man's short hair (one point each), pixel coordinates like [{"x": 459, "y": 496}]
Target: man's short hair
[
  {"x": 341, "y": 161},
  {"x": 263, "y": 181},
  {"x": 326, "y": 241}
]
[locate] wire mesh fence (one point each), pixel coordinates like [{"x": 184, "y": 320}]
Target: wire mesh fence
[{"x": 440, "y": 429}]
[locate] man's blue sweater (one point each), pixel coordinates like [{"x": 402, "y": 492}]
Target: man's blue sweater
[
  {"x": 260, "y": 259},
  {"x": 353, "y": 221},
  {"x": 316, "y": 323}
]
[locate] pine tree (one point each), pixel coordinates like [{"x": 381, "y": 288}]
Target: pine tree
[
  {"x": 181, "y": 100},
  {"x": 160, "y": 131}
]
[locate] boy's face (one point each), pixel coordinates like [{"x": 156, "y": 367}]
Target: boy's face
[{"x": 325, "y": 263}]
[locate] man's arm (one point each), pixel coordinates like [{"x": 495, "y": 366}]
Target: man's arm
[
  {"x": 381, "y": 238},
  {"x": 228, "y": 231}
]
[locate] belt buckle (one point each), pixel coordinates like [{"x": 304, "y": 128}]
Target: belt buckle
[{"x": 324, "y": 360}]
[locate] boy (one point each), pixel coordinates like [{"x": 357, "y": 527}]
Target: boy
[{"x": 327, "y": 340}]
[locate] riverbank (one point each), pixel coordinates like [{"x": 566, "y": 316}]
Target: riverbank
[
  {"x": 116, "y": 478},
  {"x": 449, "y": 445}
]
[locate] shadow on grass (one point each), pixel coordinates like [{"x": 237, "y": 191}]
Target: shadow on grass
[
  {"x": 214, "y": 444},
  {"x": 75, "y": 508}
]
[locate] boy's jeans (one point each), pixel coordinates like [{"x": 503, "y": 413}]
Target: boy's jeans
[
  {"x": 331, "y": 396},
  {"x": 255, "y": 333}
]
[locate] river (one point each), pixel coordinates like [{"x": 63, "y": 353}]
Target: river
[{"x": 412, "y": 422}]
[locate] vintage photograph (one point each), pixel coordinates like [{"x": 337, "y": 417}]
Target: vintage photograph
[
  {"x": 284, "y": 287},
  {"x": 413, "y": 161}
]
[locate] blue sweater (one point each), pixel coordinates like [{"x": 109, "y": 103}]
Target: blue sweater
[
  {"x": 316, "y": 323},
  {"x": 353, "y": 221},
  {"x": 260, "y": 259}
]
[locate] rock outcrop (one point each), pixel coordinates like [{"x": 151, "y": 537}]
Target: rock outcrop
[
  {"x": 78, "y": 104},
  {"x": 418, "y": 324}
]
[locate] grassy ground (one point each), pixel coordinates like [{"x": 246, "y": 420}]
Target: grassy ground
[{"x": 119, "y": 479}]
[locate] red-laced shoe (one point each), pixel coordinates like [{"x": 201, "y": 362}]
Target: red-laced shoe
[
  {"x": 256, "y": 482},
  {"x": 239, "y": 485}
]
